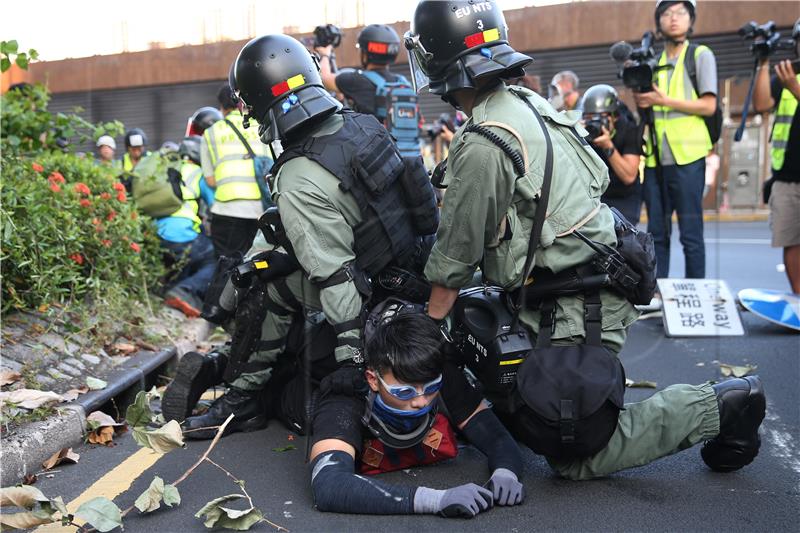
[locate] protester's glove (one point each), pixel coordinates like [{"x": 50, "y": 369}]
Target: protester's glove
[
  {"x": 347, "y": 380},
  {"x": 464, "y": 501},
  {"x": 505, "y": 487}
]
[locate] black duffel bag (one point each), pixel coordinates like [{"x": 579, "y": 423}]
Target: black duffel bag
[{"x": 569, "y": 399}]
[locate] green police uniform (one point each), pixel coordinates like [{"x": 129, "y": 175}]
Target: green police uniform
[
  {"x": 318, "y": 217},
  {"x": 486, "y": 221}
]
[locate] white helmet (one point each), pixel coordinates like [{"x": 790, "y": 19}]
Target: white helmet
[{"x": 107, "y": 140}]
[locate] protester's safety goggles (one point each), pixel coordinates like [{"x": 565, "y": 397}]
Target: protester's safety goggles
[
  {"x": 418, "y": 59},
  {"x": 408, "y": 392}
]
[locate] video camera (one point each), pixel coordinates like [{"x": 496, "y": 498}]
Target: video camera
[
  {"x": 595, "y": 124},
  {"x": 435, "y": 129},
  {"x": 766, "y": 39},
  {"x": 327, "y": 34},
  {"x": 638, "y": 64}
]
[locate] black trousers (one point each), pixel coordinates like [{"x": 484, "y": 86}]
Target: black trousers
[{"x": 231, "y": 234}]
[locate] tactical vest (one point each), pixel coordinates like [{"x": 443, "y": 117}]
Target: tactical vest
[
  {"x": 233, "y": 168},
  {"x": 784, "y": 115},
  {"x": 686, "y": 134},
  {"x": 396, "y": 106},
  {"x": 364, "y": 158},
  {"x": 191, "y": 175}
]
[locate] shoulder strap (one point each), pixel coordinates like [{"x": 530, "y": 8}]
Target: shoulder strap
[
  {"x": 690, "y": 64},
  {"x": 541, "y": 210},
  {"x": 241, "y": 138},
  {"x": 375, "y": 78}
]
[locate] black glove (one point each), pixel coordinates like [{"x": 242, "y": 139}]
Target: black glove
[{"x": 347, "y": 380}]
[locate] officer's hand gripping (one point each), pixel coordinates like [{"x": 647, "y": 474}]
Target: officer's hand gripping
[
  {"x": 347, "y": 380},
  {"x": 505, "y": 487}
]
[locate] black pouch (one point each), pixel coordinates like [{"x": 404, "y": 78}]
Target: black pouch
[
  {"x": 419, "y": 196},
  {"x": 569, "y": 400},
  {"x": 639, "y": 252},
  {"x": 216, "y": 308}
]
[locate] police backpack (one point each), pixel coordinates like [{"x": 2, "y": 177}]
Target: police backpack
[
  {"x": 396, "y": 106},
  {"x": 156, "y": 184}
]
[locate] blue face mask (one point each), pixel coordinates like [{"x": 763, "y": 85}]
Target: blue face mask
[{"x": 399, "y": 419}]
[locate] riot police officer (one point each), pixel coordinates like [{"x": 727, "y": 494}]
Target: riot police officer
[{"x": 497, "y": 173}]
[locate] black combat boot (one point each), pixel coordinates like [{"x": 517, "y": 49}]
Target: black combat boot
[
  {"x": 742, "y": 406},
  {"x": 246, "y": 406},
  {"x": 196, "y": 373}
]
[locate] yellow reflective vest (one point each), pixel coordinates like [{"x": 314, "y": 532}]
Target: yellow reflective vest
[
  {"x": 127, "y": 164},
  {"x": 784, "y": 115},
  {"x": 191, "y": 174},
  {"x": 686, "y": 134},
  {"x": 234, "y": 170}
]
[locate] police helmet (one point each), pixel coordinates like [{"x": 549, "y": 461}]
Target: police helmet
[
  {"x": 135, "y": 137},
  {"x": 278, "y": 80},
  {"x": 663, "y": 5},
  {"x": 600, "y": 99},
  {"x": 453, "y": 44},
  {"x": 380, "y": 43},
  {"x": 190, "y": 148},
  {"x": 202, "y": 119}
]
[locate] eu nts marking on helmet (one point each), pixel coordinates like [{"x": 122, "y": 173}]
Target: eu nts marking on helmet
[{"x": 479, "y": 7}]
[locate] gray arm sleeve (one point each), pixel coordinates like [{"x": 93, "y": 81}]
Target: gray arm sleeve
[{"x": 707, "y": 73}]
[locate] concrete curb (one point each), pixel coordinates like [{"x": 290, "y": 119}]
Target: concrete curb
[{"x": 24, "y": 452}]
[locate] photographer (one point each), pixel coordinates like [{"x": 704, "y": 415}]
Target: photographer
[
  {"x": 373, "y": 89},
  {"x": 781, "y": 92},
  {"x": 680, "y": 99},
  {"x": 617, "y": 140}
]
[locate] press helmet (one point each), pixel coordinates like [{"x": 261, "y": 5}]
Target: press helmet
[
  {"x": 600, "y": 99},
  {"x": 453, "y": 44},
  {"x": 202, "y": 119},
  {"x": 279, "y": 83},
  {"x": 135, "y": 137},
  {"x": 190, "y": 148},
  {"x": 380, "y": 43},
  {"x": 663, "y": 5}
]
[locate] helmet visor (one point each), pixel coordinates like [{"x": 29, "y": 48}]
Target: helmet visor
[{"x": 418, "y": 59}]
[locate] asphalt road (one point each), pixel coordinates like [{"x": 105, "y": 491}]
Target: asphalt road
[{"x": 674, "y": 493}]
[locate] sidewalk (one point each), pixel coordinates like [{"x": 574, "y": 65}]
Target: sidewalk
[
  {"x": 51, "y": 358},
  {"x": 743, "y": 215}
]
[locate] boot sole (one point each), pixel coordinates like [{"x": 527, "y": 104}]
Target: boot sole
[
  {"x": 179, "y": 398},
  {"x": 251, "y": 424},
  {"x": 182, "y": 306}
]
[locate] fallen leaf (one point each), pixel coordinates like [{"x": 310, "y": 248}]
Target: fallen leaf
[
  {"x": 218, "y": 516},
  {"x": 147, "y": 346},
  {"x": 24, "y": 520},
  {"x": 138, "y": 413},
  {"x": 98, "y": 419},
  {"x": 66, "y": 455},
  {"x": 102, "y": 428},
  {"x": 25, "y": 497},
  {"x": 156, "y": 393},
  {"x": 640, "y": 384},
  {"x": 73, "y": 394},
  {"x": 151, "y": 499},
  {"x": 285, "y": 448},
  {"x": 161, "y": 440},
  {"x": 43, "y": 308},
  {"x": 123, "y": 348},
  {"x": 95, "y": 383},
  {"x": 101, "y": 513},
  {"x": 7, "y": 377},
  {"x": 728, "y": 370},
  {"x": 29, "y": 479},
  {"x": 103, "y": 435},
  {"x": 29, "y": 398}
]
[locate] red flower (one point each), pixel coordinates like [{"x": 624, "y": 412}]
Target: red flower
[
  {"x": 119, "y": 187},
  {"x": 78, "y": 258},
  {"x": 135, "y": 247},
  {"x": 96, "y": 221},
  {"x": 54, "y": 187},
  {"x": 105, "y": 196},
  {"x": 106, "y": 243},
  {"x": 82, "y": 189},
  {"x": 111, "y": 215},
  {"x": 121, "y": 196},
  {"x": 85, "y": 203},
  {"x": 37, "y": 167},
  {"x": 134, "y": 215},
  {"x": 56, "y": 177}
]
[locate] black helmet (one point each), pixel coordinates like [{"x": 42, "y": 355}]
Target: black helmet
[
  {"x": 278, "y": 80},
  {"x": 600, "y": 99},
  {"x": 135, "y": 137},
  {"x": 380, "y": 42},
  {"x": 202, "y": 119},
  {"x": 190, "y": 148},
  {"x": 452, "y": 44}
]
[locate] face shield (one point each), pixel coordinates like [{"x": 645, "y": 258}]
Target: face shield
[{"x": 418, "y": 59}]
